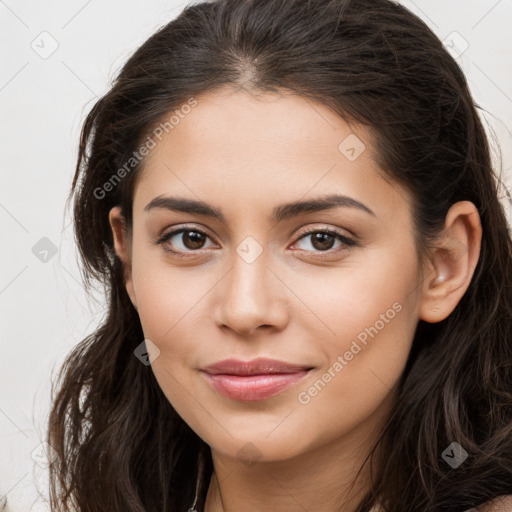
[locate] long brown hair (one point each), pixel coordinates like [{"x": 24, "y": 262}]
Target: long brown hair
[{"x": 121, "y": 445}]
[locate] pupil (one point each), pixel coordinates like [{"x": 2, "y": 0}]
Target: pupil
[
  {"x": 195, "y": 237},
  {"x": 325, "y": 240}
]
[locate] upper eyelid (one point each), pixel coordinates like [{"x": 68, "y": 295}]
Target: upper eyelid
[
  {"x": 181, "y": 229},
  {"x": 335, "y": 231}
]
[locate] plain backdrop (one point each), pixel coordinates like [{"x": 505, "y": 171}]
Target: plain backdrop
[{"x": 57, "y": 59}]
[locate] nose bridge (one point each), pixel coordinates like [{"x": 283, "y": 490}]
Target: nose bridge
[{"x": 251, "y": 292}]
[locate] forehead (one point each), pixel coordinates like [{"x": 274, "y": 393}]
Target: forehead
[
  {"x": 255, "y": 147},
  {"x": 228, "y": 123}
]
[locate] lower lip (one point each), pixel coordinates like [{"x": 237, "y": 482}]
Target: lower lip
[{"x": 254, "y": 387}]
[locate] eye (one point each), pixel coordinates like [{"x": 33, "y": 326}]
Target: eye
[
  {"x": 324, "y": 240},
  {"x": 191, "y": 239},
  {"x": 187, "y": 240}
]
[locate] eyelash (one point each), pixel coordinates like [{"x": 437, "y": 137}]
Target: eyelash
[{"x": 348, "y": 242}]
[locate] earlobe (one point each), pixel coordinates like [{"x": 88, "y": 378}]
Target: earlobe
[
  {"x": 452, "y": 262},
  {"x": 122, "y": 248}
]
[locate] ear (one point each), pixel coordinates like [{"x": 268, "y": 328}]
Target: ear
[
  {"x": 122, "y": 247},
  {"x": 451, "y": 263}
]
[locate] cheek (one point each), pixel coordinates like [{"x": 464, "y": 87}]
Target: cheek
[
  {"x": 368, "y": 318},
  {"x": 168, "y": 309},
  {"x": 170, "y": 302},
  {"x": 167, "y": 295},
  {"x": 363, "y": 364},
  {"x": 366, "y": 297}
]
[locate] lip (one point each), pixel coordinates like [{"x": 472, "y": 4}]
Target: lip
[
  {"x": 259, "y": 366},
  {"x": 254, "y": 380}
]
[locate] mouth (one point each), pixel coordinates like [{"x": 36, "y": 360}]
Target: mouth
[{"x": 254, "y": 380}]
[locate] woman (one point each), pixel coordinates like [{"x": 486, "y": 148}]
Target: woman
[{"x": 292, "y": 208}]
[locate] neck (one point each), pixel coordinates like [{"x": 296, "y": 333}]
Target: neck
[{"x": 324, "y": 479}]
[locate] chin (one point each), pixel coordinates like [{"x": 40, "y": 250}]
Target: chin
[{"x": 260, "y": 446}]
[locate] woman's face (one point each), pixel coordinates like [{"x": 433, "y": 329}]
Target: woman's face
[{"x": 250, "y": 283}]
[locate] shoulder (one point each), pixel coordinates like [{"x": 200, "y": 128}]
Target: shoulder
[{"x": 501, "y": 504}]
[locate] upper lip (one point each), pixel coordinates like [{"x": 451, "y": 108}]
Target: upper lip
[{"x": 260, "y": 366}]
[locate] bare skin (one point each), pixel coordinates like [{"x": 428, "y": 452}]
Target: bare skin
[{"x": 301, "y": 449}]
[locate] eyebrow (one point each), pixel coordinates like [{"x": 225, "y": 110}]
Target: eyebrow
[{"x": 279, "y": 213}]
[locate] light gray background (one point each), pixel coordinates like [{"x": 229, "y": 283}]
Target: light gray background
[{"x": 44, "y": 99}]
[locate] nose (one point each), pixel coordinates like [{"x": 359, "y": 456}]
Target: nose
[{"x": 252, "y": 298}]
